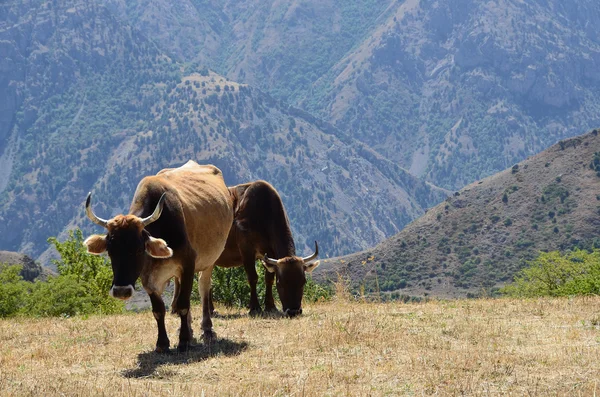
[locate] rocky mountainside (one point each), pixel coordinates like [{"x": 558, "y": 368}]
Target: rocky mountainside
[
  {"x": 336, "y": 191},
  {"x": 94, "y": 95},
  {"x": 461, "y": 89},
  {"x": 479, "y": 237},
  {"x": 451, "y": 90},
  {"x": 30, "y": 270},
  {"x": 101, "y": 106},
  {"x": 77, "y": 79}
]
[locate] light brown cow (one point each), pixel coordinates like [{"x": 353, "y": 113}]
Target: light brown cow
[{"x": 177, "y": 225}]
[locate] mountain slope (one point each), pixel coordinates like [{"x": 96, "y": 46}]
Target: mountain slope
[
  {"x": 453, "y": 91},
  {"x": 281, "y": 47},
  {"x": 461, "y": 89},
  {"x": 333, "y": 189},
  {"x": 101, "y": 106},
  {"x": 83, "y": 90},
  {"x": 483, "y": 234}
]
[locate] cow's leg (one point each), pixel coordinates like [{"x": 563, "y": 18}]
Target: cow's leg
[
  {"x": 174, "y": 309},
  {"x": 158, "y": 309},
  {"x": 211, "y": 303},
  {"x": 250, "y": 268},
  {"x": 269, "y": 301},
  {"x": 204, "y": 286},
  {"x": 176, "y": 290},
  {"x": 182, "y": 305}
]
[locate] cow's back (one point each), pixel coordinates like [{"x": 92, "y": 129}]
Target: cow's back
[{"x": 205, "y": 204}]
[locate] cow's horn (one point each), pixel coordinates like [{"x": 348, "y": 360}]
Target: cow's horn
[
  {"x": 90, "y": 213},
  {"x": 157, "y": 211},
  {"x": 269, "y": 261},
  {"x": 313, "y": 256}
]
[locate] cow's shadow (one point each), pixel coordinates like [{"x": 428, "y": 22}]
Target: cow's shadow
[
  {"x": 227, "y": 316},
  {"x": 270, "y": 315},
  {"x": 148, "y": 362}
]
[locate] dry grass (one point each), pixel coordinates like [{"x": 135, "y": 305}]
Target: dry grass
[{"x": 470, "y": 347}]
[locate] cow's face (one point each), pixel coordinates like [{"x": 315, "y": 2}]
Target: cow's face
[
  {"x": 290, "y": 275},
  {"x": 128, "y": 245}
]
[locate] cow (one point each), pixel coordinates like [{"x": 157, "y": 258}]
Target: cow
[
  {"x": 177, "y": 225},
  {"x": 261, "y": 230}
]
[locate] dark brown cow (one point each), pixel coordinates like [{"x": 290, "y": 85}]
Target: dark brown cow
[
  {"x": 261, "y": 227},
  {"x": 177, "y": 225}
]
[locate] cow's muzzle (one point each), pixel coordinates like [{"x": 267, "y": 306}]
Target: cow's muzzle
[
  {"x": 123, "y": 293},
  {"x": 293, "y": 312}
]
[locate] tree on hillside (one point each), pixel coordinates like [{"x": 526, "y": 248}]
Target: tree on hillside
[{"x": 556, "y": 274}]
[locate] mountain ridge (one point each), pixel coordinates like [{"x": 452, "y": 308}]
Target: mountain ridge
[{"x": 479, "y": 237}]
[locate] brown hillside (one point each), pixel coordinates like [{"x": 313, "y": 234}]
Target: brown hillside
[{"x": 479, "y": 237}]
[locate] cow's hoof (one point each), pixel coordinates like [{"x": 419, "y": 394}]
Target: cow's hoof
[{"x": 255, "y": 312}]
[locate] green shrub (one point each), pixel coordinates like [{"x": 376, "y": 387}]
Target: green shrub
[
  {"x": 230, "y": 287},
  {"x": 12, "y": 290},
  {"x": 59, "y": 296},
  {"x": 555, "y": 274},
  {"x": 81, "y": 287},
  {"x": 86, "y": 280},
  {"x": 314, "y": 292}
]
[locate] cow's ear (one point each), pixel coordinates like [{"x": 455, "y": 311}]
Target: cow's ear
[
  {"x": 270, "y": 268},
  {"x": 309, "y": 267},
  {"x": 95, "y": 244},
  {"x": 158, "y": 248}
]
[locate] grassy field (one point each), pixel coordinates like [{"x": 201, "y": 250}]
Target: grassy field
[{"x": 462, "y": 347}]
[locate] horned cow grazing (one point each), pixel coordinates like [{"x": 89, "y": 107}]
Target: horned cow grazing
[
  {"x": 177, "y": 225},
  {"x": 261, "y": 227}
]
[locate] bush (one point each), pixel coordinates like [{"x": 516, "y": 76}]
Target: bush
[
  {"x": 12, "y": 290},
  {"x": 59, "y": 296},
  {"x": 85, "y": 279},
  {"x": 314, "y": 292},
  {"x": 555, "y": 274},
  {"x": 230, "y": 287},
  {"x": 81, "y": 287}
]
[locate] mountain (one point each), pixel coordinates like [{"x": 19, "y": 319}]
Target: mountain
[
  {"x": 280, "y": 47},
  {"x": 479, "y": 237},
  {"x": 451, "y": 90},
  {"x": 101, "y": 106},
  {"x": 78, "y": 80},
  {"x": 335, "y": 190},
  {"x": 394, "y": 99},
  {"x": 461, "y": 89}
]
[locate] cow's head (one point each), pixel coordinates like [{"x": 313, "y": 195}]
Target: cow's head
[
  {"x": 128, "y": 244},
  {"x": 290, "y": 275}
]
